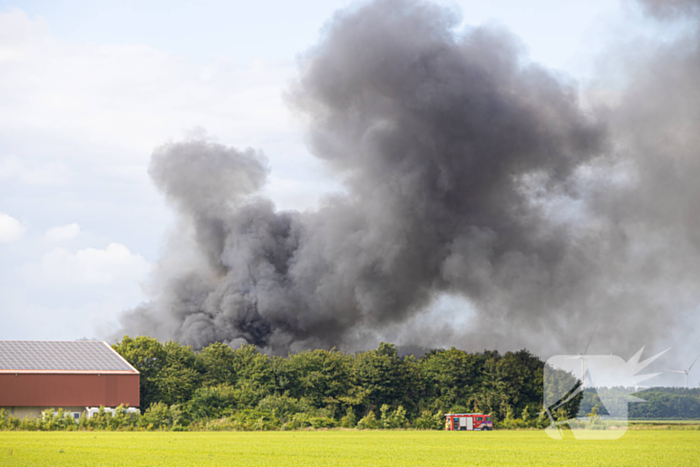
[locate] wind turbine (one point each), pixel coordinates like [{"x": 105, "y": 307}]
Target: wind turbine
[
  {"x": 583, "y": 357},
  {"x": 685, "y": 372}
]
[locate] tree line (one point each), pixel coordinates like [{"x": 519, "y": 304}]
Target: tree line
[
  {"x": 659, "y": 403},
  {"x": 322, "y": 388},
  {"x": 667, "y": 403}
]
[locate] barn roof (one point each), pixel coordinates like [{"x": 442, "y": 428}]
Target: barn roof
[{"x": 61, "y": 357}]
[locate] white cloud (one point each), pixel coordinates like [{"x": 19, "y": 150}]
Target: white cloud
[
  {"x": 10, "y": 228},
  {"x": 62, "y": 232},
  {"x": 120, "y": 101},
  {"x": 90, "y": 266},
  {"x": 77, "y": 110},
  {"x": 34, "y": 172}
]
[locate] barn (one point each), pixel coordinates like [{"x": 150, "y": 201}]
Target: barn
[{"x": 73, "y": 375}]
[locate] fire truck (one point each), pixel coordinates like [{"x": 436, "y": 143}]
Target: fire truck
[{"x": 468, "y": 422}]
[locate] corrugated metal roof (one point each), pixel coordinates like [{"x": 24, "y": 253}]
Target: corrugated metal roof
[{"x": 61, "y": 356}]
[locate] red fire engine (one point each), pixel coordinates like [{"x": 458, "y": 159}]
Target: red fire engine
[{"x": 468, "y": 422}]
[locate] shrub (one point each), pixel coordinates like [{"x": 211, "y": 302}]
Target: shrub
[
  {"x": 428, "y": 421},
  {"x": 29, "y": 424},
  {"x": 100, "y": 420},
  {"x": 299, "y": 420},
  {"x": 159, "y": 416},
  {"x": 122, "y": 420},
  {"x": 395, "y": 419},
  {"x": 83, "y": 423},
  {"x": 52, "y": 420},
  {"x": 349, "y": 420},
  {"x": 285, "y": 407},
  {"x": 368, "y": 422},
  {"x": 212, "y": 402},
  {"x": 323, "y": 422},
  {"x": 304, "y": 420},
  {"x": 246, "y": 420}
]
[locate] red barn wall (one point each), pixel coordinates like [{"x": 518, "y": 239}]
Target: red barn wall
[{"x": 62, "y": 390}]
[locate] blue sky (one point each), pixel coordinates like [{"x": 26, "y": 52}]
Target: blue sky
[
  {"x": 275, "y": 30},
  {"x": 89, "y": 89}
]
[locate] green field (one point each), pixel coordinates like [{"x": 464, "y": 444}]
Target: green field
[{"x": 339, "y": 448}]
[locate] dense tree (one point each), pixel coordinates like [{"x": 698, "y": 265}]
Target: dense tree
[
  {"x": 381, "y": 374},
  {"x": 212, "y": 402},
  {"x": 450, "y": 377},
  {"x": 148, "y": 356},
  {"x": 323, "y": 377},
  {"x": 178, "y": 379},
  {"x": 218, "y": 362},
  {"x": 219, "y": 381}
]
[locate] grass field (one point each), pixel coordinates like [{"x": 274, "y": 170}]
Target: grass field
[
  {"x": 664, "y": 422},
  {"x": 340, "y": 448}
]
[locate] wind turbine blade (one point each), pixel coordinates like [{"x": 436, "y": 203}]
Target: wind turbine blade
[
  {"x": 691, "y": 365},
  {"x": 590, "y": 340}
]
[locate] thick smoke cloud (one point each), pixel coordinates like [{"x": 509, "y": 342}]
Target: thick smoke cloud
[
  {"x": 667, "y": 9},
  {"x": 468, "y": 171}
]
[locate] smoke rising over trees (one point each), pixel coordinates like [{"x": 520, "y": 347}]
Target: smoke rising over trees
[{"x": 467, "y": 170}]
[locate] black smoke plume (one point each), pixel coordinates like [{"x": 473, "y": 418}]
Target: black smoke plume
[{"x": 468, "y": 171}]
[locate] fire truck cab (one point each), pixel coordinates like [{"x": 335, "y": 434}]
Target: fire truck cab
[{"x": 468, "y": 422}]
